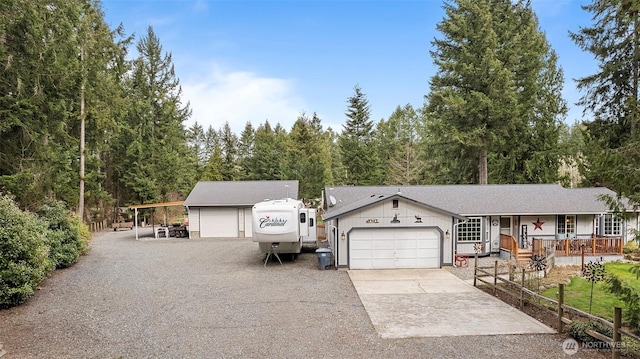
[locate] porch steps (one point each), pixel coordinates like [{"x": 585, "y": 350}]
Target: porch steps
[{"x": 524, "y": 255}]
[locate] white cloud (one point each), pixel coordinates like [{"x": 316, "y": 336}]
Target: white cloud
[{"x": 239, "y": 97}]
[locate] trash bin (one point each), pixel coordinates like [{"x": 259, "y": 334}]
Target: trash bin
[{"x": 324, "y": 258}]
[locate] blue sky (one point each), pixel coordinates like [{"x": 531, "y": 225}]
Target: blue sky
[{"x": 251, "y": 61}]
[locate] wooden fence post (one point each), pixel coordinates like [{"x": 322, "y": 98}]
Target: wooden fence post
[
  {"x": 495, "y": 277},
  {"x": 616, "y": 340},
  {"x": 560, "y": 309},
  {"x": 510, "y": 272},
  {"x": 475, "y": 269},
  {"x": 522, "y": 290}
]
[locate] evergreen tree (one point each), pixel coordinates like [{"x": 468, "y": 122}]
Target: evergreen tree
[
  {"x": 357, "y": 144},
  {"x": 265, "y": 162},
  {"x": 245, "y": 147},
  {"x": 496, "y": 97},
  {"x": 158, "y": 165},
  {"x": 612, "y": 142},
  {"x": 231, "y": 170},
  {"x": 337, "y": 173},
  {"x": 399, "y": 138},
  {"x": 306, "y": 156}
]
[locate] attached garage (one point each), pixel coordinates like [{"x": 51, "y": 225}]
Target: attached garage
[{"x": 390, "y": 248}]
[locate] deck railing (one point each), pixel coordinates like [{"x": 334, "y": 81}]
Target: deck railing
[
  {"x": 510, "y": 244},
  {"x": 574, "y": 246}
]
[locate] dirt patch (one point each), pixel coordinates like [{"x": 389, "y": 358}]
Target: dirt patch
[
  {"x": 534, "y": 307},
  {"x": 560, "y": 274}
]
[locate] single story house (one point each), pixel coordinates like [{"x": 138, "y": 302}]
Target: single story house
[
  {"x": 222, "y": 209},
  {"x": 373, "y": 227}
]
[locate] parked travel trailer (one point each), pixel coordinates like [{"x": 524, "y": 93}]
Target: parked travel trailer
[{"x": 283, "y": 226}]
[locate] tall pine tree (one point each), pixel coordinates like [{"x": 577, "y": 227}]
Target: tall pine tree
[
  {"x": 357, "y": 143},
  {"x": 495, "y": 104},
  {"x": 611, "y": 138}
]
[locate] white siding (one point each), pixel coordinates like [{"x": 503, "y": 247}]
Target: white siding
[
  {"x": 248, "y": 227},
  {"x": 194, "y": 219}
]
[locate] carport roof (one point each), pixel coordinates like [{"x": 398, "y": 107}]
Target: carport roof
[
  {"x": 239, "y": 193},
  {"x": 475, "y": 200}
]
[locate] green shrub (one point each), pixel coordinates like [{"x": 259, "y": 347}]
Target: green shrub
[
  {"x": 578, "y": 328},
  {"x": 630, "y": 247},
  {"x": 24, "y": 253},
  {"x": 67, "y": 236},
  {"x": 630, "y": 297}
]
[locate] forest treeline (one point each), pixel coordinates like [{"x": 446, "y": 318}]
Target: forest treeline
[{"x": 84, "y": 122}]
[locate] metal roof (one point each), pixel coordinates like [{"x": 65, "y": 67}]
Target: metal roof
[
  {"x": 476, "y": 200},
  {"x": 239, "y": 193}
]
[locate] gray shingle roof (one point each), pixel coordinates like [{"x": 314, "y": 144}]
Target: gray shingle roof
[
  {"x": 239, "y": 193},
  {"x": 471, "y": 200}
]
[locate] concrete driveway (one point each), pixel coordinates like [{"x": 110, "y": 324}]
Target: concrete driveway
[{"x": 408, "y": 303}]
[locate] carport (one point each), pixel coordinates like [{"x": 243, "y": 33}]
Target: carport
[{"x": 151, "y": 205}]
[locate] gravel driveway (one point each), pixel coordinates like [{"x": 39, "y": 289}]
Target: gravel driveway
[{"x": 206, "y": 298}]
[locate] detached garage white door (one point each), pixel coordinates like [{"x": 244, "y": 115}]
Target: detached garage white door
[
  {"x": 386, "y": 248},
  {"x": 219, "y": 222}
]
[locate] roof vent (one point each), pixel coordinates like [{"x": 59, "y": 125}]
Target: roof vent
[{"x": 332, "y": 201}]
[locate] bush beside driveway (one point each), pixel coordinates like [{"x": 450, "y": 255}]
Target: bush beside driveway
[{"x": 212, "y": 298}]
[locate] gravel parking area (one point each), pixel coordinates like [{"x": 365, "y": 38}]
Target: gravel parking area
[{"x": 182, "y": 298}]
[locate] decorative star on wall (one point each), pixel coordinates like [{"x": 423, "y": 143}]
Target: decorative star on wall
[{"x": 538, "y": 224}]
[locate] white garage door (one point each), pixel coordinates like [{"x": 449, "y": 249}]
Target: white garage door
[
  {"x": 219, "y": 222},
  {"x": 384, "y": 248}
]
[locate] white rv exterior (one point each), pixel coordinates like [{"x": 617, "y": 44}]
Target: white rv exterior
[{"x": 282, "y": 226}]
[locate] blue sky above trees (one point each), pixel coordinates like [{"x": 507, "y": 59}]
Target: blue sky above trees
[{"x": 249, "y": 61}]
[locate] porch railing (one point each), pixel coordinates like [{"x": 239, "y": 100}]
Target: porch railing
[
  {"x": 573, "y": 246},
  {"x": 510, "y": 244}
]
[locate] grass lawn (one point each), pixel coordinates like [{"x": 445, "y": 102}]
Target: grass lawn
[{"x": 578, "y": 293}]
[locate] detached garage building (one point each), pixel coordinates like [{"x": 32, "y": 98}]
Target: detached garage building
[{"x": 222, "y": 209}]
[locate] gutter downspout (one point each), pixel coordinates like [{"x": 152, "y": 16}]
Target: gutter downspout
[{"x": 334, "y": 246}]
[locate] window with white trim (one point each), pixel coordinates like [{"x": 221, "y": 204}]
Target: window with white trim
[
  {"x": 612, "y": 225},
  {"x": 470, "y": 231},
  {"x": 566, "y": 225}
]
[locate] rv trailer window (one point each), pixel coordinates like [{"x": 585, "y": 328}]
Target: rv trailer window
[{"x": 303, "y": 218}]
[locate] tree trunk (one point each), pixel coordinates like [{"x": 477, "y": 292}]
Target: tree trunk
[
  {"x": 482, "y": 171},
  {"x": 82, "y": 135}
]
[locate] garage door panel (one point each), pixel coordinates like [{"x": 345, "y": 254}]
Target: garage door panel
[
  {"x": 361, "y": 263},
  {"x": 405, "y": 243},
  {"x": 426, "y": 253},
  {"x": 394, "y": 248},
  {"x": 383, "y": 263},
  {"x": 382, "y": 244},
  {"x": 428, "y": 244},
  {"x": 363, "y": 254},
  {"x": 219, "y": 222},
  {"x": 406, "y": 263},
  {"x": 406, "y": 253},
  {"x": 383, "y": 254},
  {"x": 361, "y": 245}
]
